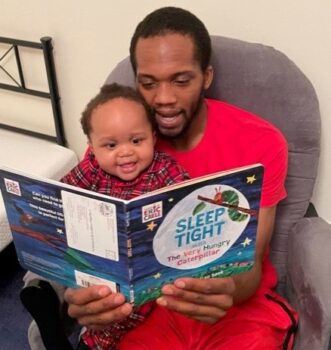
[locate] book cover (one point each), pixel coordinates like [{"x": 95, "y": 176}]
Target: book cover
[{"x": 204, "y": 227}]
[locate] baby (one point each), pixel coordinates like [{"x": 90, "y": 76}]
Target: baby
[{"x": 122, "y": 163}]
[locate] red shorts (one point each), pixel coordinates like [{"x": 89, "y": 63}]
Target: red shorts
[{"x": 264, "y": 322}]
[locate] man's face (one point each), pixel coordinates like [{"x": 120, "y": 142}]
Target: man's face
[
  {"x": 171, "y": 81},
  {"x": 122, "y": 138}
]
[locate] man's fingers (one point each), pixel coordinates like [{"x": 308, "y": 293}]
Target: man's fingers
[
  {"x": 207, "y": 286},
  {"x": 206, "y": 300},
  {"x": 209, "y": 320},
  {"x": 81, "y": 296},
  {"x": 95, "y": 307},
  {"x": 207, "y": 313},
  {"x": 101, "y": 320},
  {"x": 222, "y": 301}
]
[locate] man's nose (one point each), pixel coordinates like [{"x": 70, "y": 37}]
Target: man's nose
[{"x": 165, "y": 94}]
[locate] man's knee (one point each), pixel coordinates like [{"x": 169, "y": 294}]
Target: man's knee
[{"x": 59, "y": 289}]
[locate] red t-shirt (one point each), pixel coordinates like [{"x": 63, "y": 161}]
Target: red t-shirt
[{"x": 234, "y": 138}]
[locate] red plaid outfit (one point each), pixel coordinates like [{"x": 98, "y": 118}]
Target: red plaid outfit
[{"x": 163, "y": 171}]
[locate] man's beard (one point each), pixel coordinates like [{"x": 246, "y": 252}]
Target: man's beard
[{"x": 194, "y": 113}]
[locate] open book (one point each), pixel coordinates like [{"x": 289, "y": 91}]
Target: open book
[{"x": 204, "y": 227}]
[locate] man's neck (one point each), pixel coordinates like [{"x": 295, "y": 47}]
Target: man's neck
[{"x": 195, "y": 132}]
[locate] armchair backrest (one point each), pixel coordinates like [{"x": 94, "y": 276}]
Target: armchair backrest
[{"x": 264, "y": 81}]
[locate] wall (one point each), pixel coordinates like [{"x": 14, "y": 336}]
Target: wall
[{"x": 91, "y": 37}]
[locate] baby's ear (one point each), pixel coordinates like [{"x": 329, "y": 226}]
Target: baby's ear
[{"x": 90, "y": 146}]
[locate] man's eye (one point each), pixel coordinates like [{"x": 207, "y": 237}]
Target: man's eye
[
  {"x": 147, "y": 84},
  {"x": 182, "y": 82}
]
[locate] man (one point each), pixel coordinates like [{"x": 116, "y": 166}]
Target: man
[{"x": 170, "y": 53}]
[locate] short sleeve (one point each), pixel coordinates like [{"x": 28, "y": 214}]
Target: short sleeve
[{"x": 275, "y": 166}]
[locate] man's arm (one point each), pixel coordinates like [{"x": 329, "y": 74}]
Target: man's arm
[
  {"x": 202, "y": 299},
  {"x": 247, "y": 283},
  {"x": 209, "y": 299}
]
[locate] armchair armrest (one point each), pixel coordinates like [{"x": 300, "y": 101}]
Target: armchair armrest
[{"x": 309, "y": 282}]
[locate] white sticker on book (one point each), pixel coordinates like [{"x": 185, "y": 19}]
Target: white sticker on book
[
  {"x": 86, "y": 280},
  {"x": 13, "y": 187},
  {"x": 152, "y": 211},
  {"x": 196, "y": 232},
  {"x": 91, "y": 225}
]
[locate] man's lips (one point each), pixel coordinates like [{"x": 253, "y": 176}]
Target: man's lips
[
  {"x": 168, "y": 119},
  {"x": 168, "y": 113}
]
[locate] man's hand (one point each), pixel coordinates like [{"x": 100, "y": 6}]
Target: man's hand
[
  {"x": 95, "y": 307},
  {"x": 209, "y": 299},
  {"x": 205, "y": 300}
]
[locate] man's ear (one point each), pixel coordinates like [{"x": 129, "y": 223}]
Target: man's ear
[{"x": 208, "y": 76}]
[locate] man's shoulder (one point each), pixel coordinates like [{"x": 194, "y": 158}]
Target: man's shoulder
[
  {"x": 219, "y": 109},
  {"x": 225, "y": 115}
]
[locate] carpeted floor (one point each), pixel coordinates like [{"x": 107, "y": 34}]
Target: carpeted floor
[{"x": 14, "y": 319}]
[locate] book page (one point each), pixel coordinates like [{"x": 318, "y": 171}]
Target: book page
[{"x": 91, "y": 225}]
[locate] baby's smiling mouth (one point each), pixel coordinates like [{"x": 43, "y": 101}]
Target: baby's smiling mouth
[{"x": 128, "y": 166}]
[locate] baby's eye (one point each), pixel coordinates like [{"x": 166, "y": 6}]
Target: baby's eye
[
  {"x": 136, "y": 141},
  {"x": 111, "y": 145}
]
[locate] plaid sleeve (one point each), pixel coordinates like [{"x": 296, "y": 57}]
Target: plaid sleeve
[
  {"x": 175, "y": 173},
  {"x": 169, "y": 170},
  {"x": 81, "y": 175}
]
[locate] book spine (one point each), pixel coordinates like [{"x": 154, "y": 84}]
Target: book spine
[
  {"x": 131, "y": 296},
  {"x": 129, "y": 248},
  {"x": 129, "y": 245},
  {"x": 127, "y": 221}
]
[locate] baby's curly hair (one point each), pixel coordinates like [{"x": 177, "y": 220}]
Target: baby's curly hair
[{"x": 110, "y": 92}]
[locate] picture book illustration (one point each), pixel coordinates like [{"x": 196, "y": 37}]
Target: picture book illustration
[{"x": 203, "y": 228}]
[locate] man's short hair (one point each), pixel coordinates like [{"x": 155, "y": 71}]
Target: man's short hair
[
  {"x": 110, "y": 92},
  {"x": 173, "y": 20}
]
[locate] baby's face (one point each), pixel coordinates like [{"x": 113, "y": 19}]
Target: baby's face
[{"x": 122, "y": 138}]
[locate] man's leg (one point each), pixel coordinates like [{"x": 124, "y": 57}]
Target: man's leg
[
  {"x": 162, "y": 330},
  {"x": 266, "y": 321}
]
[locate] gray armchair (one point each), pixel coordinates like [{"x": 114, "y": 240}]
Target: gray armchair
[{"x": 262, "y": 80}]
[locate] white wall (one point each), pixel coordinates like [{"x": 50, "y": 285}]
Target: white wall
[{"x": 91, "y": 37}]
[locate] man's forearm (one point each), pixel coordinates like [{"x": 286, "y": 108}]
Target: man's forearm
[{"x": 247, "y": 283}]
